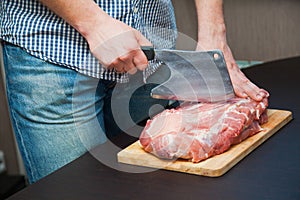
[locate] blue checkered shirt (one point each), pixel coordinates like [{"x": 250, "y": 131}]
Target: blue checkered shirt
[{"x": 33, "y": 27}]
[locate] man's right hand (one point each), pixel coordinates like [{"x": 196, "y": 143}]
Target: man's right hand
[
  {"x": 113, "y": 43},
  {"x": 116, "y": 45}
]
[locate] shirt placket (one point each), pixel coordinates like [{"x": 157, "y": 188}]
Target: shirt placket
[{"x": 136, "y": 14}]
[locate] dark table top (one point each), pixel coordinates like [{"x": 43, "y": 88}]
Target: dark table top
[{"x": 272, "y": 171}]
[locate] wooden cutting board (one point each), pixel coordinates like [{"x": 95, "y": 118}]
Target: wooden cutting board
[{"x": 216, "y": 165}]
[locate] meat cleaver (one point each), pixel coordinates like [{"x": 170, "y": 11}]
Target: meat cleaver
[{"x": 196, "y": 76}]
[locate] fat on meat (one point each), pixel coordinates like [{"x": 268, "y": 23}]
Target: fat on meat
[{"x": 197, "y": 131}]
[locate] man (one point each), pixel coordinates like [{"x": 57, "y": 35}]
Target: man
[{"x": 62, "y": 59}]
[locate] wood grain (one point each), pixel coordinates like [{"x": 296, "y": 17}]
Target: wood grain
[{"x": 216, "y": 165}]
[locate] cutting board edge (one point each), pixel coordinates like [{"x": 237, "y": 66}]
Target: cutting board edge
[{"x": 219, "y": 171}]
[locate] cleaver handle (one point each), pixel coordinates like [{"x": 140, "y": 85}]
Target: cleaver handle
[{"x": 149, "y": 52}]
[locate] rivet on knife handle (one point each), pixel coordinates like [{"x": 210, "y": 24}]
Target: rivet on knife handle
[{"x": 149, "y": 52}]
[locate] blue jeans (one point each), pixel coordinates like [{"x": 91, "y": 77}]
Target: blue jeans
[{"x": 59, "y": 114}]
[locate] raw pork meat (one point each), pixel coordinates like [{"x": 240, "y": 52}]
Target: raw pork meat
[{"x": 199, "y": 131}]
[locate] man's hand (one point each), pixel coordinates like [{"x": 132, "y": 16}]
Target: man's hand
[
  {"x": 243, "y": 87},
  {"x": 117, "y": 45},
  {"x": 113, "y": 43},
  {"x": 212, "y": 35}
]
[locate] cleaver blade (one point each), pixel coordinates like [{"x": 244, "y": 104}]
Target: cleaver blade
[{"x": 196, "y": 76}]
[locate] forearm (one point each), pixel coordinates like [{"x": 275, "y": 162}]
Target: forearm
[
  {"x": 115, "y": 44},
  {"x": 212, "y": 35},
  {"x": 83, "y": 15},
  {"x": 210, "y": 18}
]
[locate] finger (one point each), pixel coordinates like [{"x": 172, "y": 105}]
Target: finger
[
  {"x": 252, "y": 91},
  {"x": 264, "y": 93},
  {"x": 243, "y": 87},
  {"x": 131, "y": 71},
  {"x": 240, "y": 93},
  {"x": 109, "y": 67},
  {"x": 119, "y": 69},
  {"x": 247, "y": 88},
  {"x": 140, "y": 60},
  {"x": 130, "y": 68},
  {"x": 261, "y": 94},
  {"x": 117, "y": 65},
  {"x": 128, "y": 64}
]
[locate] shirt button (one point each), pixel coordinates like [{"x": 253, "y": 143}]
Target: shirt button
[{"x": 135, "y": 9}]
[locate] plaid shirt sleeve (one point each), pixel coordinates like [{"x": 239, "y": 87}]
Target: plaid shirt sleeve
[{"x": 33, "y": 27}]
